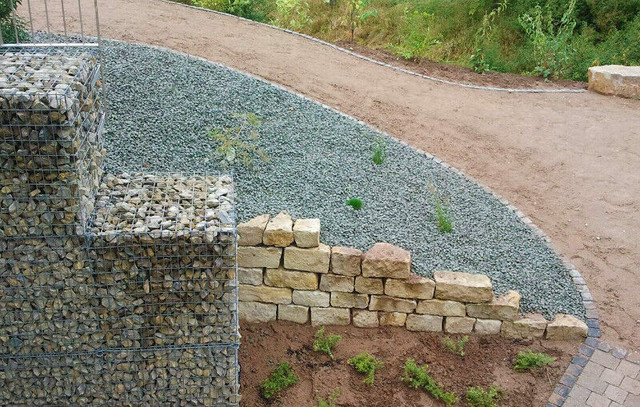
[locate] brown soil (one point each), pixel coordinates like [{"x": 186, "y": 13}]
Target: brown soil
[
  {"x": 488, "y": 361},
  {"x": 461, "y": 74},
  {"x": 569, "y": 161}
]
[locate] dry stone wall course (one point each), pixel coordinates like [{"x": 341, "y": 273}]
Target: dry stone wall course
[{"x": 341, "y": 285}]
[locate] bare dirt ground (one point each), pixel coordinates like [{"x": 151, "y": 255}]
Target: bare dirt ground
[
  {"x": 488, "y": 361},
  {"x": 569, "y": 161}
]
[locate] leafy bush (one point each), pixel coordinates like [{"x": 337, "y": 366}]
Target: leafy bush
[
  {"x": 366, "y": 364},
  {"x": 355, "y": 203},
  {"x": 279, "y": 379},
  {"x": 417, "y": 377},
  {"x": 551, "y": 42},
  {"x": 414, "y": 40},
  {"x": 257, "y": 10},
  {"x": 330, "y": 401},
  {"x": 456, "y": 347},
  {"x": 479, "y": 58},
  {"x": 239, "y": 143},
  {"x": 7, "y": 22},
  {"x": 528, "y": 360},
  {"x": 479, "y": 397},
  {"x": 359, "y": 13},
  {"x": 379, "y": 151},
  {"x": 293, "y": 14},
  {"x": 325, "y": 343}
]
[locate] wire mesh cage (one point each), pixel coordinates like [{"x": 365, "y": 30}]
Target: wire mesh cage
[
  {"x": 178, "y": 376},
  {"x": 164, "y": 250},
  {"x": 50, "y": 141}
]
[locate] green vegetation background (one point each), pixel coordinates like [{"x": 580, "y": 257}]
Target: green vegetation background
[{"x": 554, "y": 38}]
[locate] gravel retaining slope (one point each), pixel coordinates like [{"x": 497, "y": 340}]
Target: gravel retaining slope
[{"x": 162, "y": 105}]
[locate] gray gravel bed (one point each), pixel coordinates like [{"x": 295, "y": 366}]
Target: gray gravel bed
[{"x": 163, "y": 103}]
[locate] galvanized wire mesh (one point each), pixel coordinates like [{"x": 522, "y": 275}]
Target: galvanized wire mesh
[{"x": 115, "y": 290}]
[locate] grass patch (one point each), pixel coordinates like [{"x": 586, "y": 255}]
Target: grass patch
[
  {"x": 456, "y": 347},
  {"x": 529, "y": 360},
  {"x": 417, "y": 377},
  {"x": 367, "y": 364},
  {"x": 379, "y": 151},
  {"x": 331, "y": 400},
  {"x": 443, "y": 215},
  {"x": 279, "y": 379},
  {"x": 325, "y": 343},
  {"x": 479, "y": 397},
  {"x": 355, "y": 203}
]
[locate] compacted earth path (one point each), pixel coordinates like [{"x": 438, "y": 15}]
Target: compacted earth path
[{"x": 570, "y": 161}]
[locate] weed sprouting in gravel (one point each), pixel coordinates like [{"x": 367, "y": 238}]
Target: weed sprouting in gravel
[
  {"x": 280, "y": 378},
  {"x": 379, "y": 151},
  {"x": 443, "y": 214},
  {"x": 355, "y": 203},
  {"x": 325, "y": 343},
  {"x": 239, "y": 143},
  {"x": 417, "y": 377},
  {"x": 367, "y": 364},
  {"x": 456, "y": 347},
  {"x": 529, "y": 360},
  {"x": 479, "y": 397}
]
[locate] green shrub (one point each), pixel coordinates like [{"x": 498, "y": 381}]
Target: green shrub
[
  {"x": 355, "y": 203},
  {"x": 417, "y": 377},
  {"x": 479, "y": 397},
  {"x": 7, "y": 22},
  {"x": 257, "y": 10},
  {"x": 279, "y": 379},
  {"x": 292, "y": 14},
  {"x": 366, "y": 364},
  {"x": 379, "y": 151},
  {"x": 331, "y": 400},
  {"x": 325, "y": 343},
  {"x": 528, "y": 360},
  {"x": 239, "y": 144},
  {"x": 456, "y": 347}
]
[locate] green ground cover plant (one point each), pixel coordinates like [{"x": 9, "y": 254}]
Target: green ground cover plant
[
  {"x": 529, "y": 360},
  {"x": 479, "y": 397},
  {"x": 553, "y": 38},
  {"x": 355, "y": 203},
  {"x": 417, "y": 377},
  {"x": 280, "y": 378},
  {"x": 325, "y": 343},
  {"x": 330, "y": 402},
  {"x": 366, "y": 364},
  {"x": 239, "y": 144},
  {"x": 456, "y": 347}
]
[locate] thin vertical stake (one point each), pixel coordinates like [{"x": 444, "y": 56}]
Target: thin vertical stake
[
  {"x": 64, "y": 18},
  {"x": 15, "y": 26},
  {"x": 1, "y": 39},
  {"x": 46, "y": 11},
  {"x": 81, "y": 24},
  {"x": 104, "y": 79},
  {"x": 30, "y": 17}
]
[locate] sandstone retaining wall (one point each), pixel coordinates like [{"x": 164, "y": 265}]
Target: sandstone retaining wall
[{"x": 285, "y": 273}]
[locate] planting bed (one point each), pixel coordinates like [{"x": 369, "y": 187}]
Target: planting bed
[
  {"x": 488, "y": 361},
  {"x": 163, "y": 103}
]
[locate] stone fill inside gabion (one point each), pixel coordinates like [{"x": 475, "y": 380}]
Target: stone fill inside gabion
[
  {"x": 172, "y": 376},
  {"x": 163, "y": 248},
  {"x": 50, "y": 145}
]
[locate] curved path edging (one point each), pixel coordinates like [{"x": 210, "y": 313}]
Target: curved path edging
[
  {"x": 375, "y": 61},
  {"x": 564, "y": 388}
]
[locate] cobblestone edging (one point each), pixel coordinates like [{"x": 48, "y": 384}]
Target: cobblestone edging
[
  {"x": 599, "y": 376},
  {"x": 375, "y": 61}
]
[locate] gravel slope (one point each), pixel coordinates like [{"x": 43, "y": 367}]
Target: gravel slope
[{"x": 162, "y": 105}]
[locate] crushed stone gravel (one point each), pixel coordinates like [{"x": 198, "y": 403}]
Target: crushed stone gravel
[{"x": 162, "y": 105}]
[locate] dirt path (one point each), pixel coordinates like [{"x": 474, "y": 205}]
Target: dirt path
[{"x": 569, "y": 161}]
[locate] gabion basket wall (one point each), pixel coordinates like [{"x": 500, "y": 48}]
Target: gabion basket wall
[{"x": 114, "y": 290}]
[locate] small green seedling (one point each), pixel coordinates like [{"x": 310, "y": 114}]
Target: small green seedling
[
  {"x": 355, "y": 203},
  {"x": 325, "y": 343},
  {"x": 479, "y": 397},
  {"x": 417, "y": 377},
  {"x": 280, "y": 378},
  {"x": 456, "y": 347},
  {"x": 529, "y": 360},
  {"x": 331, "y": 400},
  {"x": 239, "y": 144},
  {"x": 444, "y": 216},
  {"x": 379, "y": 151},
  {"x": 367, "y": 364}
]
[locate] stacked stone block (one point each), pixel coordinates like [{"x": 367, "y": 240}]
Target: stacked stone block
[
  {"x": 285, "y": 273},
  {"x": 50, "y": 164},
  {"x": 119, "y": 290}
]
